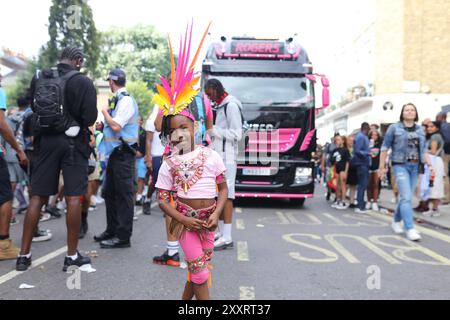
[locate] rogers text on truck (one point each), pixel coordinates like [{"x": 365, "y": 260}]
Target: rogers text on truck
[{"x": 274, "y": 80}]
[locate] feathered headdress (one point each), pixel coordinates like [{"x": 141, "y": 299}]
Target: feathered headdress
[{"x": 175, "y": 95}]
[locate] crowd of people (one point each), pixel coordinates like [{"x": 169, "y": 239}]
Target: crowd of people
[
  {"x": 57, "y": 156},
  {"x": 413, "y": 159}
]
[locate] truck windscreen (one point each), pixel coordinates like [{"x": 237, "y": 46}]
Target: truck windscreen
[{"x": 268, "y": 90}]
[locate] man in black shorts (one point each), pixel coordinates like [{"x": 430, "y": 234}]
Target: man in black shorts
[{"x": 65, "y": 151}]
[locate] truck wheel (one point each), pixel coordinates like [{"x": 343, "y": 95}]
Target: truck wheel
[{"x": 298, "y": 202}]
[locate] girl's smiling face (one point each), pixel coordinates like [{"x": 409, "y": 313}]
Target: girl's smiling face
[{"x": 182, "y": 135}]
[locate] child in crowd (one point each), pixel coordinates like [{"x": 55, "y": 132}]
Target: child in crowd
[
  {"x": 195, "y": 173},
  {"x": 341, "y": 159}
]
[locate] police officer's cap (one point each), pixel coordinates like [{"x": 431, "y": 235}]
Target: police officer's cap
[{"x": 117, "y": 75}]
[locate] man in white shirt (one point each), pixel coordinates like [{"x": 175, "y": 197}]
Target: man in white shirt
[
  {"x": 153, "y": 158},
  {"x": 119, "y": 145}
]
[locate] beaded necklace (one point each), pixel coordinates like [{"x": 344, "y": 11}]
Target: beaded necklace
[{"x": 186, "y": 173}]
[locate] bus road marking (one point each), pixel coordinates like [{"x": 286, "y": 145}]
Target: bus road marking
[
  {"x": 240, "y": 225},
  {"x": 242, "y": 251}
]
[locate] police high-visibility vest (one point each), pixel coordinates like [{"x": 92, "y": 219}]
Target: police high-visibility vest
[{"x": 129, "y": 133}]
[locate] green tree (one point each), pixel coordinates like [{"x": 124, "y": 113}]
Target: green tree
[
  {"x": 71, "y": 24},
  {"x": 22, "y": 84},
  {"x": 141, "y": 51},
  {"x": 142, "y": 95}
]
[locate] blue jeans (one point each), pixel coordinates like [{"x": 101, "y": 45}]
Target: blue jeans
[
  {"x": 406, "y": 176},
  {"x": 363, "y": 182}
]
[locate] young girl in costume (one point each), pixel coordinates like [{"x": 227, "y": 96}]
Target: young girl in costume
[{"x": 196, "y": 173}]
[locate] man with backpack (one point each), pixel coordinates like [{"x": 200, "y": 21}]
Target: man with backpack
[
  {"x": 64, "y": 103},
  {"x": 226, "y": 134}
]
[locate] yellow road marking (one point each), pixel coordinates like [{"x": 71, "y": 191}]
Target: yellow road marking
[
  {"x": 401, "y": 251},
  {"x": 282, "y": 218},
  {"x": 240, "y": 224},
  {"x": 331, "y": 238},
  {"x": 330, "y": 256},
  {"x": 242, "y": 251},
  {"x": 423, "y": 230},
  {"x": 339, "y": 222},
  {"x": 247, "y": 293}
]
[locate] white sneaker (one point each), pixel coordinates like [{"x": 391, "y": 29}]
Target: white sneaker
[
  {"x": 365, "y": 211},
  {"x": 428, "y": 213},
  {"x": 222, "y": 244},
  {"x": 99, "y": 200},
  {"x": 42, "y": 235},
  {"x": 375, "y": 206},
  {"x": 61, "y": 205},
  {"x": 413, "y": 235},
  {"x": 217, "y": 236},
  {"x": 335, "y": 205},
  {"x": 342, "y": 206},
  {"x": 45, "y": 217},
  {"x": 368, "y": 205},
  {"x": 436, "y": 214},
  {"x": 397, "y": 227}
]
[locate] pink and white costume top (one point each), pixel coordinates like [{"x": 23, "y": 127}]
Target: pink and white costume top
[{"x": 194, "y": 175}]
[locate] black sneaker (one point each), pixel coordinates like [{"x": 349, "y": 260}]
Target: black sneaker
[
  {"x": 147, "y": 209},
  {"x": 23, "y": 263},
  {"x": 22, "y": 210},
  {"x": 54, "y": 212},
  {"x": 78, "y": 262},
  {"x": 166, "y": 260}
]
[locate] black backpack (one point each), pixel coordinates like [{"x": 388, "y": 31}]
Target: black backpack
[{"x": 49, "y": 101}]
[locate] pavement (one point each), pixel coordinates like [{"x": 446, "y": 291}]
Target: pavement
[
  {"x": 386, "y": 201},
  {"x": 280, "y": 252}
]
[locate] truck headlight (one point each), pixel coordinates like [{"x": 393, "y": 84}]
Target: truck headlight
[{"x": 303, "y": 176}]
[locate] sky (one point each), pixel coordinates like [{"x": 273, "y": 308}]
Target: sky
[{"x": 323, "y": 27}]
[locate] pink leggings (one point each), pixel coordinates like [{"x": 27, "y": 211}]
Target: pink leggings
[{"x": 198, "y": 248}]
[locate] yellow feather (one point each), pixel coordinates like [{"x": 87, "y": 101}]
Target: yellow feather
[
  {"x": 161, "y": 103},
  {"x": 185, "y": 98},
  {"x": 162, "y": 92}
]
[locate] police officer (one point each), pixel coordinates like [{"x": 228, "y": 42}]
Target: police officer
[{"x": 119, "y": 145}]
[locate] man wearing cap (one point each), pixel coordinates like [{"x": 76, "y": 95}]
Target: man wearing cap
[{"x": 119, "y": 145}]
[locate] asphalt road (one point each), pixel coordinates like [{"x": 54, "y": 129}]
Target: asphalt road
[{"x": 281, "y": 252}]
